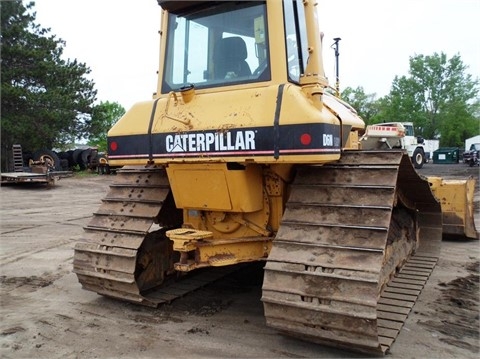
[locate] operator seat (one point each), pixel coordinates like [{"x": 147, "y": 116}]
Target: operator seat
[{"x": 229, "y": 55}]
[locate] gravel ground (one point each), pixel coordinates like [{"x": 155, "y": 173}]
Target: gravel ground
[{"x": 45, "y": 313}]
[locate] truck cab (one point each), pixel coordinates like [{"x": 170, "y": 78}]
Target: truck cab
[{"x": 414, "y": 145}]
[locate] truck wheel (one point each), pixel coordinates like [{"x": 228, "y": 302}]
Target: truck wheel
[
  {"x": 418, "y": 158},
  {"x": 48, "y": 156}
]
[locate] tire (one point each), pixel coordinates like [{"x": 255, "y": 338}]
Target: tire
[
  {"x": 64, "y": 164},
  {"x": 76, "y": 156},
  {"x": 418, "y": 158},
  {"x": 86, "y": 157},
  {"x": 69, "y": 157},
  {"x": 48, "y": 156}
]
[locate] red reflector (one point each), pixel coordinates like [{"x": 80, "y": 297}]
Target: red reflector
[
  {"x": 113, "y": 146},
  {"x": 305, "y": 139}
]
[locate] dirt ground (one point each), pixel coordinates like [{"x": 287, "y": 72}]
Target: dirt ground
[{"x": 44, "y": 312}]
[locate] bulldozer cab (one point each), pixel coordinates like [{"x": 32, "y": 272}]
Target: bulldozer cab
[{"x": 210, "y": 45}]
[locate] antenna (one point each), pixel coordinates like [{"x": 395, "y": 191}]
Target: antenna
[{"x": 337, "y": 55}]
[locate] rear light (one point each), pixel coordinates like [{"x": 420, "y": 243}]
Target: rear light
[{"x": 305, "y": 139}]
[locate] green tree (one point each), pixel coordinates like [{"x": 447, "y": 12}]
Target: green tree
[
  {"x": 438, "y": 96},
  {"x": 103, "y": 118},
  {"x": 45, "y": 99},
  {"x": 365, "y": 104}
]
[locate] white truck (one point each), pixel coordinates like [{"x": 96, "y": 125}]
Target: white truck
[{"x": 396, "y": 135}]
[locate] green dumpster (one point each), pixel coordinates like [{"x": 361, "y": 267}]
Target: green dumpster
[{"x": 446, "y": 155}]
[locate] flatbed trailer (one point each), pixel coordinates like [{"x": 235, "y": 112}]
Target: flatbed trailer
[{"x": 32, "y": 177}]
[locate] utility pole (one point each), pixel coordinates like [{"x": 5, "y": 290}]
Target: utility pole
[{"x": 337, "y": 55}]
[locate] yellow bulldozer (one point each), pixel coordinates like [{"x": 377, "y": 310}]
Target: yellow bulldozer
[{"x": 242, "y": 155}]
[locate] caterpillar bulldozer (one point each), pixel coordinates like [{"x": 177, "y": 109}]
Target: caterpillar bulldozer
[{"x": 243, "y": 155}]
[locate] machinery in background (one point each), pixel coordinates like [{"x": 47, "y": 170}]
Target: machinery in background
[
  {"x": 472, "y": 156},
  {"x": 41, "y": 171},
  {"x": 390, "y": 135}
]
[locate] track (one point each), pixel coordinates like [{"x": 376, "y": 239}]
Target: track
[
  {"x": 358, "y": 240},
  {"x": 124, "y": 253},
  {"x": 338, "y": 271}
]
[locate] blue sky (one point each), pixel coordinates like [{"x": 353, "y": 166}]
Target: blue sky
[{"x": 119, "y": 41}]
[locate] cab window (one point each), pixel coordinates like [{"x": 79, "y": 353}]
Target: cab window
[
  {"x": 296, "y": 38},
  {"x": 219, "y": 46}
]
